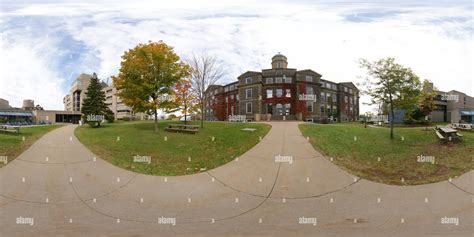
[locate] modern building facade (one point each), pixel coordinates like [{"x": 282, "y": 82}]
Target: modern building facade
[
  {"x": 282, "y": 93},
  {"x": 453, "y": 106},
  {"x": 28, "y": 114},
  {"x": 74, "y": 99}
]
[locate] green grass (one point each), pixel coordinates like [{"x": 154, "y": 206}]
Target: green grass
[
  {"x": 170, "y": 157},
  {"x": 12, "y": 144},
  {"x": 398, "y": 158}
]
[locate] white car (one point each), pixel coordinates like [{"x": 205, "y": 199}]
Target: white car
[{"x": 188, "y": 118}]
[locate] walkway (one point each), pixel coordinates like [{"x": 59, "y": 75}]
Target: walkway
[{"x": 70, "y": 192}]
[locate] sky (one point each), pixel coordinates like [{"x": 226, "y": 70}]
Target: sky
[{"x": 45, "y": 45}]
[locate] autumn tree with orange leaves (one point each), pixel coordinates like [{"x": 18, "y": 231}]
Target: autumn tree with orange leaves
[
  {"x": 147, "y": 77},
  {"x": 185, "y": 100}
]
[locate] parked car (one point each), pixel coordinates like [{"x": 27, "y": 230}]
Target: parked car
[{"x": 188, "y": 118}]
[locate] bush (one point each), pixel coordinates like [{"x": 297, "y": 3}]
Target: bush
[{"x": 109, "y": 116}]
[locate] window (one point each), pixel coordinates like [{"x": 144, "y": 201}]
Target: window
[
  {"x": 237, "y": 97},
  {"x": 345, "y": 89},
  {"x": 248, "y": 80},
  {"x": 269, "y": 93},
  {"x": 350, "y": 90},
  {"x": 278, "y": 79},
  {"x": 328, "y": 85},
  {"x": 328, "y": 108},
  {"x": 248, "y": 107},
  {"x": 350, "y": 100},
  {"x": 226, "y": 99},
  {"x": 248, "y": 93},
  {"x": 231, "y": 97},
  {"x": 231, "y": 87},
  {"x": 279, "y": 92},
  {"x": 309, "y": 106},
  {"x": 328, "y": 96},
  {"x": 288, "y": 80},
  {"x": 309, "y": 78},
  {"x": 288, "y": 93},
  {"x": 345, "y": 99},
  {"x": 278, "y": 65},
  {"x": 270, "y": 80},
  {"x": 309, "y": 90},
  {"x": 334, "y": 87},
  {"x": 323, "y": 97},
  {"x": 226, "y": 89},
  {"x": 322, "y": 109}
]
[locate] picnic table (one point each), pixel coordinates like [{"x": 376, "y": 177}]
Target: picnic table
[
  {"x": 182, "y": 128},
  {"x": 462, "y": 126},
  {"x": 444, "y": 132},
  {"x": 9, "y": 128}
]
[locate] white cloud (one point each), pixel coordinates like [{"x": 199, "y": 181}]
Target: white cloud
[
  {"x": 428, "y": 39},
  {"x": 26, "y": 73}
]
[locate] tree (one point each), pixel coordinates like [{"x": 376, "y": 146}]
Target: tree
[
  {"x": 147, "y": 75},
  {"x": 391, "y": 84},
  {"x": 185, "y": 100},
  {"x": 93, "y": 107},
  {"x": 205, "y": 71}
]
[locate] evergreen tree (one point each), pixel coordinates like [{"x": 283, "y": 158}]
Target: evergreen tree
[{"x": 93, "y": 107}]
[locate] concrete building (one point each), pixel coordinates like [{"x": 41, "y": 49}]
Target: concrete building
[
  {"x": 4, "y": 104},
  {"x": 74, "y": 99},
  {"x": 283, "y": 93},
  {"x": 452, "y": 106},
  {"x": 28, "y": 114}
]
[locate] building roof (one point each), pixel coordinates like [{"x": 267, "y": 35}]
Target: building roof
[
  {"x": 249, "y": 73},
  {"x": 311, "y": 71},
  {"x": 349, "y": 84},
  {"x": 17, "y": 113}
]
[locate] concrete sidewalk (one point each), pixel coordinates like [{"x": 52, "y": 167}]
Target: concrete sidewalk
[{"x": 70, "y": 192}]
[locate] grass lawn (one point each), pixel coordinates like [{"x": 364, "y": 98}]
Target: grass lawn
[
  {"x": 397, "y": 158},
  {"x": 12, "y": 145},
  {"x": 170, "y": 157}
]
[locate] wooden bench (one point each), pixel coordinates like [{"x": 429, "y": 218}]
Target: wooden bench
[
  {"x": 10, "y": 129},
  {"x": 459, "y": 134},
  {"x": 182, "y": 128}
]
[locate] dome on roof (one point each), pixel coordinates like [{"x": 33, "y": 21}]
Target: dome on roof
[
  {"x": 279, "y": 56},
  {"x": 279, "y": 61}
]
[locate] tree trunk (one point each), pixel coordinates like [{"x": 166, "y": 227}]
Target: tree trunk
[
  {"x": 391, "y": 121},
  {"x": 185, "y": 108},
  {"x": 156, "y": 121},
  {"x": 202, "y": 113}
]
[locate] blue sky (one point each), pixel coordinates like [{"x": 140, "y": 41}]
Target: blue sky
[{"x": 46, "y": 44}]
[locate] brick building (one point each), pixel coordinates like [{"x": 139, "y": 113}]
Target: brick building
[{"x": 283, "y": 93}]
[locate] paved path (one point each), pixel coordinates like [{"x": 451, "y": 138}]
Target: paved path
[{"x": 68, "y": 192}]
